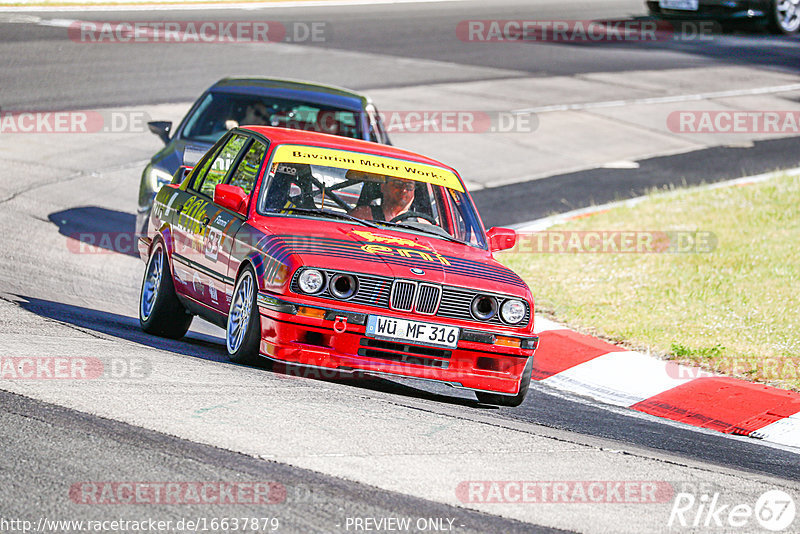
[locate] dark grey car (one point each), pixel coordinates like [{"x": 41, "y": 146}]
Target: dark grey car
[
  {"x": 781, "y": 16},
  {"x": 235, "y": 102}
]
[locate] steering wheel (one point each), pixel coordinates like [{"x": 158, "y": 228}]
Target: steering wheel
[{"x": 413, "y": 214}]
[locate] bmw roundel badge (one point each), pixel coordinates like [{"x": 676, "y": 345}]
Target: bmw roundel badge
[{"x": 417, "y": 271}]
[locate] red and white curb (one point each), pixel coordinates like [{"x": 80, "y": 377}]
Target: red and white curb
[{"x": 587, "y": 366}]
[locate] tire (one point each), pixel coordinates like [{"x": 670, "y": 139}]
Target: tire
[
  {"x": 243, "y": 330},
  {"x": 510, "y": 400},
  {"x": 160, "y": 311},
  {"x": 784, "y": 16}
]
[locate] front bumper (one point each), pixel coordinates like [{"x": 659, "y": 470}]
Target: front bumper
[{"x": 335, "y": 339}]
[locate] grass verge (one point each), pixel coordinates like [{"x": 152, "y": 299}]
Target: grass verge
[{"x": 730, "y": 303}]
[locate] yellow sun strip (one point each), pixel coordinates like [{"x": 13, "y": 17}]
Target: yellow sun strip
[{"x": 359, "y": 161}]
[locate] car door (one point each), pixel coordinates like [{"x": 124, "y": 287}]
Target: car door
[
  {"x": 191, "y": 224},
  {"x": 223, "y": 226}
]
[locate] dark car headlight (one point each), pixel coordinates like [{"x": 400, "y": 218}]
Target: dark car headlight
[
  {"x": 343, "y": 286},
  {"x": 483, "y": 307}
]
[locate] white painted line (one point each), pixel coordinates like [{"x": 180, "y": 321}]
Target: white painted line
[
  {"x": 542, "y": 324},
  {"x": 203, "y": 6},
  {"x": 619, "y": 378},
  {"x": 621, "y": 164},
  {"x": 783, "y": 432},
  {"x": 539, "y": 225},
  {"x": 57, "y": 23},
  {"x": 662, "y": 99}
]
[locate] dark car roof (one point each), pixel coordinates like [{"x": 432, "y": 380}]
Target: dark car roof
[{"x": 293, "y": 89}]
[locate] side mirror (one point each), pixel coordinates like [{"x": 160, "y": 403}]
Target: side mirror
[
  {"x": 232, "y": 197},
  {"x": 161, "y": 129},
  {"x": 501, "y": 238},
  {"x": 181, "y": 174}
]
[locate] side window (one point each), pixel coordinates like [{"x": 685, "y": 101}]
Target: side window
[
  {"x": 213, "y": 174},
  {"x": 377, "y": 131},
  {"x": 247, "y": 171},
  {"x": 199, "y": 173},
  {"x": 467, "y": 227}
]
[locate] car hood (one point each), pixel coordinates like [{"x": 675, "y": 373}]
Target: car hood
[{"x": 383, "y": 252}]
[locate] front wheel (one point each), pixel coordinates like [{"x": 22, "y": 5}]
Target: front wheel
[
  {"x": 784, "y": 16},
  {"x": 510, "y": 400},
  {"x": 160, "y": 311},
  {"x": 243, "y": 332}
]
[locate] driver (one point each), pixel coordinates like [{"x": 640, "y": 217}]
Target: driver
[
  {"x": 255, "y": 114},
  {"x": 398, "y": 195}
]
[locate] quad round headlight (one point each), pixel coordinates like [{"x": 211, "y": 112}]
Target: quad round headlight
[
  {"x": 483, "y": 307},
  {"x": 343, "y": 286},
  {"x": 311, "y": 281},
  {"x": 513, "y": 311}
]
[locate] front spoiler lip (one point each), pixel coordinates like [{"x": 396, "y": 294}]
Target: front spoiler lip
[{"x": 352, "y": 371}]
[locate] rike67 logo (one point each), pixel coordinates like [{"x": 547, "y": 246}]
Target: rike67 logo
[{"x": 774, "y": 511}]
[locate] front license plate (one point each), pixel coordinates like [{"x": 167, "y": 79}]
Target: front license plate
[
  {"x": 436, "y": 335},
  {"x": 679, "y": 5}
]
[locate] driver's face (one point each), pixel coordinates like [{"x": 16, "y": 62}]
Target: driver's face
[
  {"x": 255, "y": 114},
  {"x": 396, "y": 191}
]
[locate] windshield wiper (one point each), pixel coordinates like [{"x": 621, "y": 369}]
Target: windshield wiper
[
  {"x": 332, "y": 214},
  {"x": 441, "y": 233}
]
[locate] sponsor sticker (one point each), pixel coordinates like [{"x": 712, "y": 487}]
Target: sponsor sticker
[{"x": 342, "y": 159}]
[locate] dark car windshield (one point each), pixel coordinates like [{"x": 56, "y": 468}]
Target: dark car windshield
[
  {"x": 219, "y": 112},
  {"x": 371, "y": 190}
]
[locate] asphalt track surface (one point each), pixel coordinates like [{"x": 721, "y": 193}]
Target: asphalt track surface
[
  {"x": 40, "y": 71},
  {"x": 92, "y": 447}
]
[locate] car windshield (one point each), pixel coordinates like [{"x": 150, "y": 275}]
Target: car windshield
[
  {"x": 219, "y": 112},
  {"x": 306, "y": 181}
]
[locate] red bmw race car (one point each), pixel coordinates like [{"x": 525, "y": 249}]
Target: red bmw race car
[{"x": 333, "y": 253}]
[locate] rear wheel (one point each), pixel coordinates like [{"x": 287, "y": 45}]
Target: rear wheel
[
  {"x": 510, "y": 400},
  {"x": 160, "y": 311},
  {"x": 784, "y": 16},
  {"x": 243, "y": 332}
]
